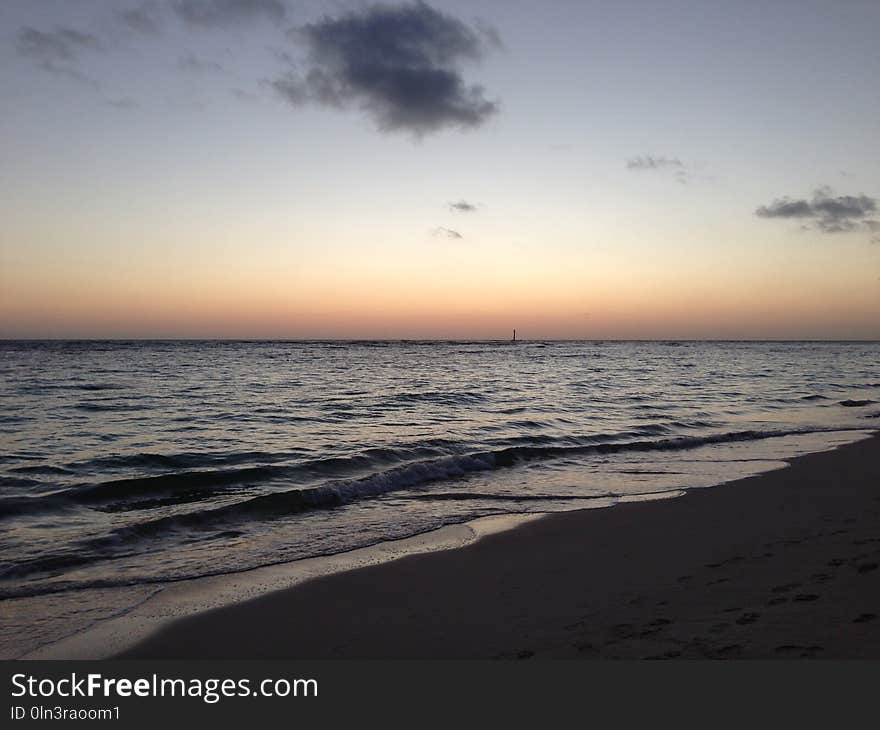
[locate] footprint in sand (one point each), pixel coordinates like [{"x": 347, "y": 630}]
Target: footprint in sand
[
  {"x": 748, "y": 618},
  {"x": 722, "y": 563},
  {"x": 864, "y": 618},
  {"x": 785, "y": 588}
]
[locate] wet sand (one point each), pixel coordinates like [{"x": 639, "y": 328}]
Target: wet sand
[{"x": 780, "y": 565}]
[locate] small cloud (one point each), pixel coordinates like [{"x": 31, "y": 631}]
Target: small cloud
[
  {"x": 786, "y": 208},
  {"x": 441, "y": 232},
  {"x": 57, "y": 51},
  {"x": 145, "y": 19},
  {"x": 649, "y": 162},
  {"x": 826, "y": 212},
  {"x": 399, "y": 64},
  {"x": 462, "y": 206},
  {"x": 681, "y": 172},
  {"x": 189, "y": 62},
  {"x": 228, "y": 13},
  {"x": 54, "y": 49}
]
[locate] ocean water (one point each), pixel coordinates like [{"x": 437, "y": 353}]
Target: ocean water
[{"x": 126, "y": 465}]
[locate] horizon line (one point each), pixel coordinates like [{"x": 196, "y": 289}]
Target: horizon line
[{"x": 436, "y": 339}]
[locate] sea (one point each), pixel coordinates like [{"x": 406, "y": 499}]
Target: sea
[{"x": 126, "y": 466}]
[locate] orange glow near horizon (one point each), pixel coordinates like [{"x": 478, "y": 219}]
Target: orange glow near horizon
[
  {"x": 344, "y": 310},
  {"x": 430, "y": 289}
]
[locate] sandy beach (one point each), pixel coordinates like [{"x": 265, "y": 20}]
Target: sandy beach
[{"x": 780, "y": 565}]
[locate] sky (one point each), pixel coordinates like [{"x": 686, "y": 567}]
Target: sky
[{"x": 454, "y": 170}]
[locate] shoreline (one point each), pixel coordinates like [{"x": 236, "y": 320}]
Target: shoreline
[
  {"x": 174, "y": 601},
  {"x": 169, "y": 604},
  {"x": 782, "y": 564}
]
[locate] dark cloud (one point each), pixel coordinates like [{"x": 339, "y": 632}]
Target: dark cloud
[
  {"x": 649, "y": 162},
  {"x": 54, "y": 50},
  {"x": 145, "y": 19},
  {"x": 215, "y": 13},
  {"x": 462, "y": 206},
  {"x": 398, "y": 63},
  {"x": 826, "y": 212},
  {"x": 447, "y": 233},
  {"x": 786, "y": 208}
]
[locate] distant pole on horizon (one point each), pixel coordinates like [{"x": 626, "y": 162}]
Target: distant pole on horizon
[{"x": 514, "y": 336}]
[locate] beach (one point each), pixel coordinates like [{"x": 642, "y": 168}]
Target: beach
[{"x": 779, "y": 565}]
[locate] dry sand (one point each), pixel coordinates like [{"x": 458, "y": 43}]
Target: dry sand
[{"x": 780, "y": 565}]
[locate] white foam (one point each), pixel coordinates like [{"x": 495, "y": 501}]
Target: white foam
[{"x": 185, "y": 598}]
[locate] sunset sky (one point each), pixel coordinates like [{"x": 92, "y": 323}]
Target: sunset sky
[{"x": 223, "y": 168}]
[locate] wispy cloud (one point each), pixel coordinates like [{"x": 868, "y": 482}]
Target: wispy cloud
[
  {"x": 50, "y": 48},
  {"x": 219, "y": 13},
  {"x": 462, "y": 206},
  {"x": 56, "y": 51},
  {"x": 441, "y": 232},
  {"x": 827, "y": 212},
  {"x": 145, "y": 18},
  {"x": 190, "y": 62},
  {"x": 649, "y": 162},
  {"x": 400, "y": 64},
  {"x": 680, "y": 171}
]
